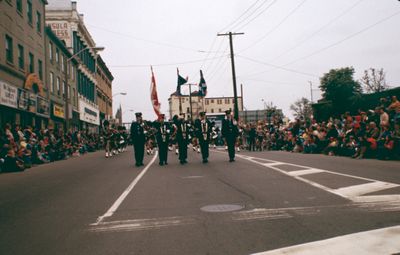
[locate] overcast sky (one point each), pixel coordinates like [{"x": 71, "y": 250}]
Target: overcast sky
[{"x": 286, "y": 44}]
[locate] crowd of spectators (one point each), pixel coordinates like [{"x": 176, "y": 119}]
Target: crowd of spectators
[
  {"x": 367, "y": 134},
  {"x": 21, "y": 148}
]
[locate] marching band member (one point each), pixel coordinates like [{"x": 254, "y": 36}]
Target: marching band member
[
  {"x": 230, "y": 133},
  {"x": 203, "y": 130},
  {"x": 162, "y": 136},
  {"x": 182, "y": 137},
  {"x": 138, "y": 138}
]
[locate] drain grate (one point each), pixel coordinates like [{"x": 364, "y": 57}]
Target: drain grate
[{"x": 221, "y": 208}]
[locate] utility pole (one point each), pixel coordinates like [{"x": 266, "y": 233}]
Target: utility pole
[
  {"x": 311, "y": 89},
  {"x": 236, "y": 108}
]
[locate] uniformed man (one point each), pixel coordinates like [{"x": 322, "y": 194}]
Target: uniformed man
[
  {"x": 138, "y": 138},
  {"x": 182, "y": 137},
  {"x": 203, "y": 130},
  {"x": 230, "y": 133},
  {"x": 162, "y": 137}
]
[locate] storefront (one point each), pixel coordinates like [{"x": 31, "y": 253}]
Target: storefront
[
  {"x": 89, "y": 116},
  {"x": 23, "y": 107},
  {"x": 57, "y": 116}
]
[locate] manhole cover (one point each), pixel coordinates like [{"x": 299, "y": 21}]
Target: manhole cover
[{"x": 221, "y": 208}]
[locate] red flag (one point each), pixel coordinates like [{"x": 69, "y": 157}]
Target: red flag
[{"x": 154, "y": 96}]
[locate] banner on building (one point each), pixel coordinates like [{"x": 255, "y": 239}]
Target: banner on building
[
  {"x": 58, "y": 111},
  {"x": 23, "y": 99},
  {"x": 43, "y": 106},
  {"x": 88, "y": 113},
  {"x": 8, "y": 95}
]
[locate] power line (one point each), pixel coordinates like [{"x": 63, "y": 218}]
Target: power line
[
  {"x": 143, "y": 39},
  {"x": 263, "y": 11},
  {"x": 237, "y": 19},
  {"x": 344, "y": 39},
  {"x": 319, "y": 30},
  {"x": 277, "y": 67},
  {"x": 166, "y": 64},
  {"x": 277, "y": 26},
  {"x": 333, "y": 44}
]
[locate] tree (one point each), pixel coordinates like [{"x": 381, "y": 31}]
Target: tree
[
  {"x": 374, "y": 80},
  {"x": 302, "y": 109},
  {"x": 340, "y": 88}
]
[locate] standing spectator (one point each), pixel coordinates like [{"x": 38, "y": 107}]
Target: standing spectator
[{"x": 384, "y": 118}]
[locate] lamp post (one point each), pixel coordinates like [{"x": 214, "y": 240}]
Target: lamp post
[
  {"x": 265, "y": 107},
  {"x": 66, "y": 82}
]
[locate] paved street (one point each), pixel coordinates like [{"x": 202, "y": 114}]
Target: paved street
[{"x": 261, "y": 202}]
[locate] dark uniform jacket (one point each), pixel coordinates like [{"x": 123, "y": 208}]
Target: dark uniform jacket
[
  {"x": 138, "y": 132},
  {"x": 203, "y": 130}
]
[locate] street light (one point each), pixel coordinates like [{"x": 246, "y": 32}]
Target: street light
[
  {"x": 120, "y": 93},
  {"x": 66, "y": 82},
  {"x": 116, "y": 94}
]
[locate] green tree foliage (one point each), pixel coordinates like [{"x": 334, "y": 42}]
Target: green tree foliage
[{"x": 340, "y": 88}]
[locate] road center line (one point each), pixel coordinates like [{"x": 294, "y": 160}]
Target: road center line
[{"x": 124, "y": 194}]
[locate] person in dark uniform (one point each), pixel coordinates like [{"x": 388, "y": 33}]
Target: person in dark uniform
[
  {"x": 162, "y": 137},
  {"x": 138, "y": 137},
  {"x": 203, "y": 130},
  {"x": 182, "y": 137},
  {"x": 229, "y": 133}
]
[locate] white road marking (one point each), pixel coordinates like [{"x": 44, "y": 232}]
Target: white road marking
[
  {"x": 380, "y": 241},
  {"x": 257, "y": 214},
  {"x": 359, "y": 190},
  {"x": 192, "y": 177},
  {"x": 124, "y": 194},
  {"x": 354, "y": 193},
  {"x": 307, "y": 171},
  {"x": 141, "y": 224}
]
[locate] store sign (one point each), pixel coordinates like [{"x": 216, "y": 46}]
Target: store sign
[
  {"x": 61, "y": 30},
  {"x": 8, "y": 95},
  {"x": 32, "y": 103},
  {"x": 23, "y": 99},
  {"x": 43, "y": 106},
  {"x": 88, "y": 113},
  {"x": 58, "y": 111}
]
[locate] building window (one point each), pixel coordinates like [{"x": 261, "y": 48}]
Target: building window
[
  {"x": 38, "y": 22},
  {"x": 219, "y": 110},
  {"x": 31, "y": 63},
  {"x": 40, "y": 69},
  {"x": 58, "y": 86},
  {"x": 9, "y": 49},
  {"x": 73, "y": 95},
  {"x": 212, "y": 101},
  {"x": 219, "y": 101},
  {"x": 62, "y": 63},
  {"x": 19, "y": 6},
  {"x": 187, "y": 110},
  {"x": 21, "y": 59},
  {"x": 72, "y": 72},
  {"x": 64, "y": 87},
  {"x": 51, "y": 82},
  {"x": 51, "y": 52},
  {"x": 57, "y": 56},
  {"x": 227, "y": 101},
  {"x": 212, "y": 110},
  {"x": 29, "y": 12},
  {"x": 207, "y": 102}
]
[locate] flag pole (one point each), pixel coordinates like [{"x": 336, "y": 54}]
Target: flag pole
[{"x": 179, "y": 96}]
